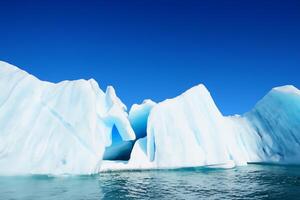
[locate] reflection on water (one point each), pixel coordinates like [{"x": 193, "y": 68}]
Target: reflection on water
[{"x": 251, "y": 182}]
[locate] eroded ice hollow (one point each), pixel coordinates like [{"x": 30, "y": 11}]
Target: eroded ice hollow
[
  {"x": 120, "y": 150},
  {"x": 73, "y": 127}
]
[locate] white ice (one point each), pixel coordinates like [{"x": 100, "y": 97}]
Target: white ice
[
  {"x": 188, "y": 131},
  {"x": 61, "y": 128},
  {"x": 67, "y": 128}
]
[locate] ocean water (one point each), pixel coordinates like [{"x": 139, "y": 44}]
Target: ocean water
[{"x": 249, "y": 182}]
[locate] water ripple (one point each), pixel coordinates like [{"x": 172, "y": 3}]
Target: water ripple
[{"x": 251, "y": 182}]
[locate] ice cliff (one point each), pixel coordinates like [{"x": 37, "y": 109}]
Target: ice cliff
[
  {"x": 62, "y": 128},
  {"x": 73, "y": 127}
]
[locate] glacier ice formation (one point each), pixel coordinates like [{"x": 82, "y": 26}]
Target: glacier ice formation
[
  {"x": 73, "y": 127},
  {"x": 62, "y": 128}
]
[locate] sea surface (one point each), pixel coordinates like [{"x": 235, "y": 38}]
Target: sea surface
[{"x": 249, "y": 182}]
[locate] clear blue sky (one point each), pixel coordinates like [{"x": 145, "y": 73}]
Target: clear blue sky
[{"x": 158, "y": 49}]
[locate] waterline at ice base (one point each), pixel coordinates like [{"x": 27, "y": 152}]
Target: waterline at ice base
[{"x": 73, "y": 127}]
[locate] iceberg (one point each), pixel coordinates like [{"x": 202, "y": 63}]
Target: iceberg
[
  {"x": 189, "y": 130},
  {"x": 73, "y": 127},
  {"x": 62, "y": 128},
  {"x": 270, "y": 132}
]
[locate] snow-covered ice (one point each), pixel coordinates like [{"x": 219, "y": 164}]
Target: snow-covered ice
[{"x": 73, "y": 127}]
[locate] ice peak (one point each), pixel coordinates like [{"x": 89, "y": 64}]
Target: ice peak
[
  {"x": 287, "y": 89},
  {"x": 200, "y": 87},
  {"x": 112, "y": 98},
  {"x": 7, "y": 67}
]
